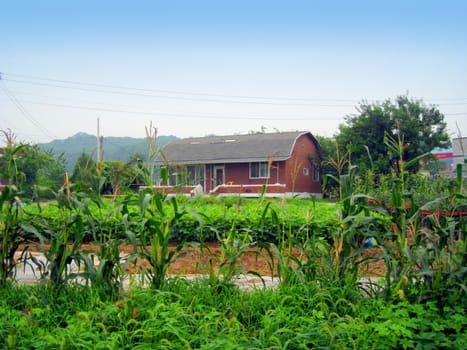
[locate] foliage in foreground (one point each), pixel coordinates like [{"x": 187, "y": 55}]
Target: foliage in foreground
[
  {"x": 189, "y": 315},
  {"x": 320, "y": 300}
]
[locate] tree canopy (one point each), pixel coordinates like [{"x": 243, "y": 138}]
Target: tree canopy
[
  {"x": 422, "y": 128},
  {"x": 85, "y": 174},
  {"x": 30, "y": 167},
  {"x": 108, "y": 177}
]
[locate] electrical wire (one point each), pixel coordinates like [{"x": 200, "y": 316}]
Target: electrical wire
[
  {"x": 24, "y": 111},
  {"x": 179, "y": 95},
  {"x": 305, "y": 101},
  {"x": 180, "y": 98},
  {"x": 81, "y": 101},
  {"x": 179, "y": 115},
  {"x": 178, "y": 92}
]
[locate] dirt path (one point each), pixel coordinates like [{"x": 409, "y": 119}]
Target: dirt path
[
  {"x": 257, "y": 260},
  {"x": 198, "y": 262}
]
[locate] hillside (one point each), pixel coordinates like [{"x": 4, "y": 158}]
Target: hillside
[{"x": 115, "y": 148}]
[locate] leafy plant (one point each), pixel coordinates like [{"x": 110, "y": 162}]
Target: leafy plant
[
  {"x": 354, "y": 221},
  {"x": 104, "y": 267},
  {"x": 440, "y": 251},
  {"x": 224, "y": 269},
  {"x": 60, "y": 241},
  {"x": 150, "y": 235},
  {"x": 12, "y": 233}
]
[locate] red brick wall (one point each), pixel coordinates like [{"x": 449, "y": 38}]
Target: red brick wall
[
  {"x": 304, "y": 147},
  {"x": 245, "y": 189},
  {"x": 239, "y": 174}
]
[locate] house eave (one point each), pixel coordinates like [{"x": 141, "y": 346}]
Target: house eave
[{"x": 220, "y": 161}]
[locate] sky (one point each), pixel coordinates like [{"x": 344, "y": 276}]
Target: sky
[{"x": 196, "y": 68}]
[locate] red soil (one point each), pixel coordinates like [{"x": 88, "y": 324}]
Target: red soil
[{"x": 193, "y": 260}]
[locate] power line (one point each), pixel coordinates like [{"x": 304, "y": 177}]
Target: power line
[
  {"x": 81, "y": 101},
  {"x": 177, "y": 91},
  {"x": 179, "y": 115},
  {"x": 24, "y": 111},
  {"x": 180, "y": 98},
  {"x": 188, "y": 115},
  {"x": 227, "y": 98}
]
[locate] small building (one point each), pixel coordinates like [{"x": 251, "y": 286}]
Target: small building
[
  {"x": 459, "y": 150},
  {"x": 444, "y": 159},
  {"x": 3, "y": 182},
  {"x": 280, "y": 164}
]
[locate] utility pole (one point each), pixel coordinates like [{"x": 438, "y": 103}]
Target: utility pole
[{"x": 100, "y": 145}]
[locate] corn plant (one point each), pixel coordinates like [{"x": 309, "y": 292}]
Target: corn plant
[
  {"x": 104, "y": 268},
  {"x": 12, "y": 233},
  {"x": 223, "y": 269},
  {"x": 60, "y": 241},
  {"x": 404, "y": 225},
  {"x": 300, "y": 257},
  {"x": 282, "y": 252},
  {"x": 440, "y": 249},
  {"x": 149, "y": 232},
  {"x": 353, "y": 219}
]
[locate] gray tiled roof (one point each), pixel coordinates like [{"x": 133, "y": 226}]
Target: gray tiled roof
[{"x": 231, "y": 149}]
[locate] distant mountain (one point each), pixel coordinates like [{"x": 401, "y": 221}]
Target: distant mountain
[{"x": 115, "y": 148}]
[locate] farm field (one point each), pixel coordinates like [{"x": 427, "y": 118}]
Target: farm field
[{"x": 318, "y": 251}]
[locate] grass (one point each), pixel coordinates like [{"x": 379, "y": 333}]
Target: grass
[{"x": 189, "y": 315}]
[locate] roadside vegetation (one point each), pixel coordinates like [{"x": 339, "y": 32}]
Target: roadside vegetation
[{"x": 413, "y": 224}]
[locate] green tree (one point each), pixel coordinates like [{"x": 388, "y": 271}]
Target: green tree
[
  {"x": 50, "y": 174},
  {"x": 35, "y": 168},
  {"x": 139, "y": 170},
  {"x": 134, "y": 158},
  {"x": 118, "y": 176},
  {"x": 422, "y": 127},
  {"x": 85, "y": 174},
  {"x": 327, "y": 148}
]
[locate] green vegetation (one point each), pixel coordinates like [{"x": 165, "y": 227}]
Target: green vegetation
[
  {"x": 319, "y": 302},
  {"x": 31, "y": 169},
  {"x": 423, "y": 128},
  {"x": 414, "y": 225},
  {"x": 205, "y": 217},
  {"x": 188, "y": 315}
]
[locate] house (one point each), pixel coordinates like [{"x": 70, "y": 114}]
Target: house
[{"x": 284, "y": 163}]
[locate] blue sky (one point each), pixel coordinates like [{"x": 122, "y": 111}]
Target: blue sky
[{"x": 194, "y": 68}]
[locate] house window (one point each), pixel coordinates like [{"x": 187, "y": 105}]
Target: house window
[
  {"x": 195, "y": 175},
  {"x": 259, "y": 170},
  {"x": 186, "y": 175},
  {"x": 166, "y": 176},
  {"x": 305, "y": 171},
  {"x": 316, "y": 176},
  {"x": 175, "y": 178}
]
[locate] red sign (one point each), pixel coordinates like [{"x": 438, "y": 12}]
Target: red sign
[{"x": 443, "y": 155}]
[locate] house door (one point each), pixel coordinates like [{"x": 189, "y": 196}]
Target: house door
[{"x": 219, "y": 175}]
